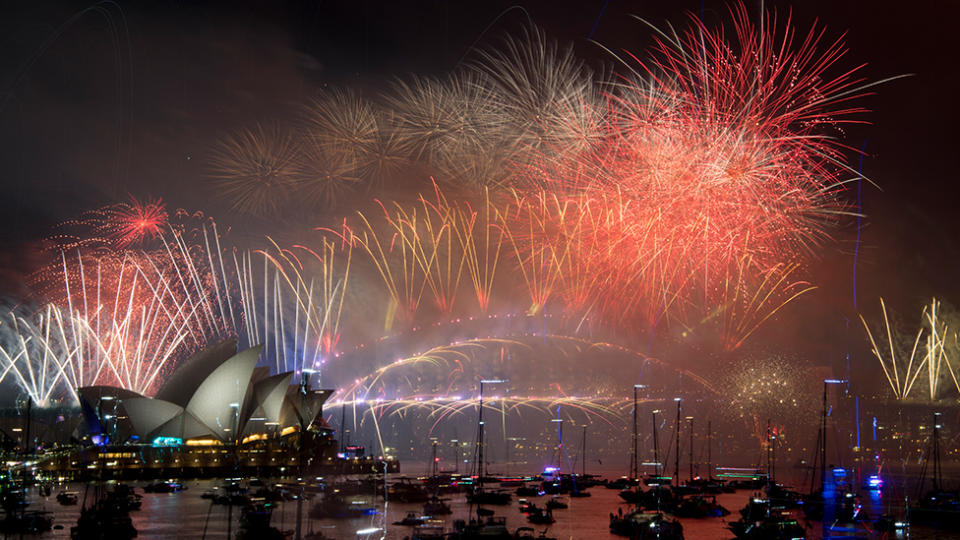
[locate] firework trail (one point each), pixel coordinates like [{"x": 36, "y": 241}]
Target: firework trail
[
  {"x": 33, "y": 352},
  {"x": 902, "y": 370},
  {"x": 294, "y": 309},
  {"x": 121, "y": 316}
]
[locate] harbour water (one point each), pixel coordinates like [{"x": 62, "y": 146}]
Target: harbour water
[{"x": 187, "y": 515}]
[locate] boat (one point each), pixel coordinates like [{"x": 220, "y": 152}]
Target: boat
[
  {"x": 336, "y": 506},
  {"x": 482, "y": 497},
  {"x": 783, "y": 496},
  {"x": 646, "y": 526},
  {"x": 232, "y": 494},
  {"x": 656, "y": 498},
  {"x": 410, "y": 520},
  {"x": 476, "y": 495},
  {"x": 699, "y": 506},
  {"x": 540, "y": 517},
  {"x": 123, "y": 497},
  {"x": 406, "y": 491},
  {"x": 255, "y": 523},
  {"x": 68, "y": 498},
  {"x": 760, "y": 520},
  {"x": 492, "y": 528},
  {"x": 435, "y": 506},
  {"x": 620, "y": 483},
  {"x": 355, "y": 486},
  {"x": 815, "y": 503},
  {"x": 689, "y": 487},
  {"x": 101, "y": 521},
  {"x": 528, "y": 532},
  {"x": 655, "y": 480},
  {"x": 556, "y": 504},
  {"x": 431, "y": 530},
  {"x": 19, "y": 520},
  {"x": 778, "y": 525},
  {"x": 581, "y": 483},
  {"x": 27, "y": 522},
  {"x": 888, "y": 523},
  {"x": 527, "y": 491},
  {"x": 937, "y": 507},
  {"x": 872, "y": 483},
  {"x": 631, "y": 496},
  {"x": 169, "y": 486}
]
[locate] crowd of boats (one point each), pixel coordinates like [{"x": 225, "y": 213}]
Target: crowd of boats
[{"x": 656, "y": 502}]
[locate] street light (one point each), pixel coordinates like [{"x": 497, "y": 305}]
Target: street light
[
  {"x": 823, "y": 433},
  {"x": 480, "y": 430},
  {"x": 304, "y": 424},
  {"x": 635, "y": 458}
]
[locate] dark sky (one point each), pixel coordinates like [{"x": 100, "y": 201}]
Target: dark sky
[{"x": 128, "y": 97}]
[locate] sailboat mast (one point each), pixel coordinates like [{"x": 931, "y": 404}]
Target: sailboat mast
[
  {"x": 771, "y": 476},
  {"x": 936, "y": 452},
  {"x": 709, "y": 448},
  {"x": 691, "y": 449},
  {"x": 479, "y": 452},
  {"x": 656, "y": 449},
  {"x": 559, "y": 422},
  {"x": 634, "y": 460},
  {"x": 823, "y": 440},
  {"x": 583, "y": 454},
  {"x": 343, "y": 426},
  {"x": 676, "y": 457}
]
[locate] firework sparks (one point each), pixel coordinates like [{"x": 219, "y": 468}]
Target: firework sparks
[
  {"x": 902, "y": 370},
  {"x": 255, "y": 170}
]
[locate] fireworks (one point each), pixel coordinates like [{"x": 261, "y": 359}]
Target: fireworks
[
  {"x": 136, "y": 222},
  {"x": 444, "y": 123},
  {"x": 696, "y": 186},
  {"x": 548, "y": 97},
  {"x": 34, "y": 352},
  {"x": 346, "y": 146},
  {"x": 295, "y": 318},
  {"x": 116, "y": 227},
  {"x": 902, "y": 370},
  {"x": 255, "y": 170},
  {"x": 323, "y": 175},
  {"x": 770, "y": 386},
  {"x": 691, "y": 192}
]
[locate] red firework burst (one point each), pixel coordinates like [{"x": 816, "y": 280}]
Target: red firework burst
[
  {"x": 716, "y": 159},
  {"x": 132, "y": 223}
]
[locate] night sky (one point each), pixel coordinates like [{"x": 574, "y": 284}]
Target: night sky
[{"x": 129, "y": 97}]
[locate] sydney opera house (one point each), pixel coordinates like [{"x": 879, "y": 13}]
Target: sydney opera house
[{"x": 216, "y": 414}]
